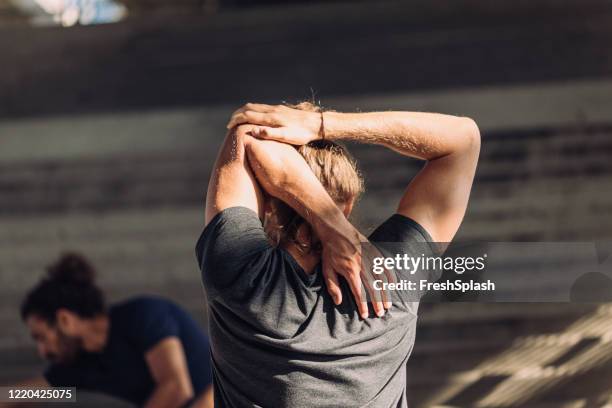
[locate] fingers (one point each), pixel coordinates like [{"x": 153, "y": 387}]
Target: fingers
[
  {"x": 371, "y": 252},
  {"x": 383, "y": 293},
  {"x": 375, "y": 295},
  {"x": 236, "y": 119},
  {"x": 254, "y": 113},
  {"x": 258, "y": 107},
  {"x": 390, "y": 279},
  {"x": 354, "y": 282},
  {"x": 252, "y": 117},
  {"x": 255, "y": 107},
  {"x": 271, "y": 133},
  {"x": 232, "y": 121},
  {"x": 333, "y": 285}
]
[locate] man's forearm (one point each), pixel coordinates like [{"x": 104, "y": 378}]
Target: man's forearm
[
  {"x": 283, "y": 173},
  {"x": 437, "y": 196},
  {"x": 169, "y": 394},
  {"x": 425, "y": 136}
]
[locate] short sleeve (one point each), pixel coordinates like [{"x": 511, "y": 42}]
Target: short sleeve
[
  {"x": 402, "y": 236},
  {"x": 399, "y": 228},
  {"x": 147, "y": 322},
  {"x": 232, "y": 244}
]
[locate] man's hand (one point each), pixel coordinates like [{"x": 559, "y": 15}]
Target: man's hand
[
  {"x": 342, "y": 255},
  {"x": 279, "y": 122}
]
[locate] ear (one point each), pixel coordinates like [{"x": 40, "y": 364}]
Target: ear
[{"x": 67, "y": 321}]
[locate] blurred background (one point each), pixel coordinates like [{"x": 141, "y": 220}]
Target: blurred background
[{"x": 111, "y": 112}]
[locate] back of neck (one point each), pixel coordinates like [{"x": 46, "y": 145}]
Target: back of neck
[{"x": 308, "y": 261}]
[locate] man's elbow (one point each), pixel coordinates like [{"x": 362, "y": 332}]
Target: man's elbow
[
  {"x": 237, "y": 139},
  {"x": 267, "y": 164},
  {"x": 470, "y": 136}
]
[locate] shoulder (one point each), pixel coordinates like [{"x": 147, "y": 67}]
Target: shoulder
[
  {"x": 233, "y": 231},
  {"x": 146, "y": 320},
  {"x": 234, "y": 214},
  {"x": 399, "y": 228},
  {"x": 141, "y": 306},
  {"x": 407, "y": 233}
]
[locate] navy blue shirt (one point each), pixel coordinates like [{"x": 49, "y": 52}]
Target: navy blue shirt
[{"x": 121, "y": 370}]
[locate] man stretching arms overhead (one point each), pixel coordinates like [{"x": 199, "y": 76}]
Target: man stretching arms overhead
[{"x": 277, "y": 232}]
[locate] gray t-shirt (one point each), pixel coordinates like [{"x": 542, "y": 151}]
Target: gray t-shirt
[{"x": 278, "y": 340}]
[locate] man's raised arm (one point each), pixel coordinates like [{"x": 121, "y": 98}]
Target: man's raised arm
[
  {"x": 283, "y": 173},
  {"x": 437, "y": 197},
  {"x": 232, "y": 182}
]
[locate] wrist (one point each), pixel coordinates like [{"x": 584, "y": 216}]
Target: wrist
[
  {"x": 331, "y": 125},
  {"x": 312, "y": 123},
  {"x": 333, "y": 225}
]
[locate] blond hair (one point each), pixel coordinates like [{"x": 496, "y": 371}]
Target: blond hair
[{"x": 337, "y": 171}]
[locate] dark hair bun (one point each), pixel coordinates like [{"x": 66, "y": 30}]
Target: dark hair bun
[{"x": 72, "y": 268}]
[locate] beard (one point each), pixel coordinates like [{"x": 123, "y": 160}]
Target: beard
[{"x": 70, "y": 348}]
